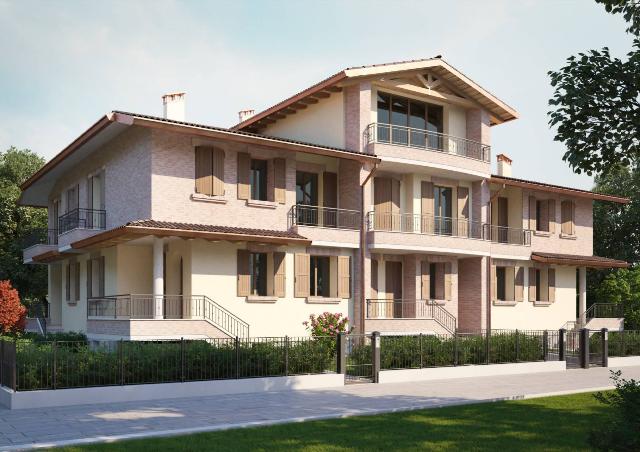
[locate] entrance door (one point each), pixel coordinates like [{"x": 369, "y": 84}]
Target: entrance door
[{"x": 393, "y": 288}]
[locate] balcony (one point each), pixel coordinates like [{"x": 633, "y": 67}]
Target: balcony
[
  {"x": 39, "y": 243},
  {"x": 403, "y": 309},
  {"x": 82, "y": 219},
  {"x": 326, "y": 223},
  {"x": 510, "y": 236},
  {"x": 388, "y": 134}
]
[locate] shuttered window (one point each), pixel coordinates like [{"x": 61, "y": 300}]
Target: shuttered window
[
  {"x": 279, "y": 272},
  {"x": 533, "y": 277},
  {"x": 209, "y": 171},
  {"x": 568, "y": 217},
  {"x": 95, "y": 277},
  {"x": 280, "y": 180},
  {"x": 542, "y": 215},
  {"x": 519, "y": 284},
  {"x": 244, "y": 279},
  {"x": 344, "y": 277},
  {"x": 301, "y": 280},
  {"x": 542, "y": 284},
  {"x": 244, "y": 175}
]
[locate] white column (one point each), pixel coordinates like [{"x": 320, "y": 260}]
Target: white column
[
  {"x": 582, "y": 300},
  {"x": 158, "y": 276}
]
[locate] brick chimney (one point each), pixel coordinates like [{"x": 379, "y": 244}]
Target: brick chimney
[
  {"x": 173, "y": 106},
  {"x": 243, "y": 115},
  {"x": 504, "y": 165}
]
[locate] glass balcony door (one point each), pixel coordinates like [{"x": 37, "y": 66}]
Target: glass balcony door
[
  {"x": 307, "y": 195},
  {"x": 442, "y": 203}
]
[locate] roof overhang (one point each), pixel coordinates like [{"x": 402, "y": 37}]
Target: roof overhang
[
  {"x": 500, "y": 112},
  {"x": 540, "y": 186},
  {"x": 578, "y": 260},
  {"x": 36, "y": 189}
]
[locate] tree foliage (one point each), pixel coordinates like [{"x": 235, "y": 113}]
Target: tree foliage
[
  {"x": 19, "y": 225},
  {"x": 596, "y": 102},
  {"x": 622, "y": 286},
  {"x": 12, "y": 313}
]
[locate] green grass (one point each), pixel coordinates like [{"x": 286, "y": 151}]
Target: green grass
[{"x": 553, "y": 423}]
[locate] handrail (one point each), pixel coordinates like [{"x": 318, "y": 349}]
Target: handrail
[
  {"x": 426, "y": 139},
  {"x": 382, "y": 308},
  {"x": 328, "y": 217},
  {"x": 142, "y": 306},
  {"x": 424, "y": 224},
  {"x": 82, "y": 219},
  {"x": 509, "y": 235},
  {"x": 601, "y": 311}
]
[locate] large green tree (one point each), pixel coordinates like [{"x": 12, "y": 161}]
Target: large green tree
[
  {"x": 19, "y": 226},
  {"x": 596, "y": 102}
]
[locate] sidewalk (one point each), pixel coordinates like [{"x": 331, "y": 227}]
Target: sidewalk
[{"x": 84, "y": 424}]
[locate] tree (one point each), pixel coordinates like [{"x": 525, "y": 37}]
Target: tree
[
  {"x": 622, "y": 286},
  {"x": 12, "y": 313},
  {"x": 19, "y": 225},
  {"x": 596, "y": 102}
]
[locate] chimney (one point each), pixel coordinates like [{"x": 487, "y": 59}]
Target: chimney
[
  {"x": 243, "y": 115},
  {"x": 173, "y": 106},
  {"x": 504, "y": 165}
]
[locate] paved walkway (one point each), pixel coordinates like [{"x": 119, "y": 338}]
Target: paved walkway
[{"x": 91, "y": 423}]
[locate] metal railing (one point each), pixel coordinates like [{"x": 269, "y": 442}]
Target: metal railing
[
  {"x": 503, "y": 234},
  {"x": 143, "y": 306},
  {"x": 601, "y": 311},
  {"x": 424, "y": 224},
  {"x": 41, "y": 237},
  {"x": 327, "y": 217},
  {"x": 411, "y": 309},
  {"x": 425, "y": 139},
  {"x": 82, "y": 219}
]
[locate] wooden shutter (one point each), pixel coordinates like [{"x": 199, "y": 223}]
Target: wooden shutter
[
  {"x": 532, "y": 213},
  {"x": 519, "y": 284},
  {"x": 494, "y": 283},
  {"x": 425, "y": 280},
  {"x": 204, "y": 180},
  {"x": 330, "y": 189},
  {"x": 447, "y": 281},
  {"x": 439, "y": 295},
  {"x": 426, "y": 193},
  {"x": 374, "y": 279},
  {"x": 344, "y": 276},
  {"x": 101, "y": 276},
  {"x": 244, "y": 277},
  {"x": 280, "y": 180},
  {"x": 551, "y": 206},
  {"x": 244, "y": 175},
  {"x": 76, "y": 282},
  {"x": 217, "y": 172},
  {"x": 279, "y": 273},
  {"x": 543, "y": 221},
  {"x": 382, "y": 203},
  {"x": 302, "y": 274},
  {"x": 567, "y": 217},
  {"x": 532, "y": 284},
  {"x": 551, "y": 282},
  {"x": 89, "y": 279}
]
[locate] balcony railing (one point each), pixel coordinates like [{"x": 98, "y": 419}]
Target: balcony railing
[
  {"x": 42, "y": 237},
  {"x": 327, "y": 217},
  {"x": 410, "y": 309},
  {"x": 82, "y": 219},
  {"x": 424, "y": 224},
  {"x": 425, "y": 139},
  {"x": 601, "y": 311},
  {"x": 503, "y": 234}
]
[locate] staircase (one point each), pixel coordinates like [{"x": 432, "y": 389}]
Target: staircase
[
  {"x": 384, "y": 312},
  {"x": 598, "y": 316},
  {"x": 222, "y": 318}
]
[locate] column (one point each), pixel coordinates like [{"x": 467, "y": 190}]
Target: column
[
  {"x": 158, "y": 276},
  {"x": 582, "y": 298}
]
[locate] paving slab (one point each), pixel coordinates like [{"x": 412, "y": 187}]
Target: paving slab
[{"x": 84, "y": 424}]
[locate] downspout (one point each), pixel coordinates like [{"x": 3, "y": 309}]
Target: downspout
[{"x": 363, "y": 245}]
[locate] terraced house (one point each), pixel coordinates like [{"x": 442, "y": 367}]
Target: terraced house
[{"x": 369, "y": 194}]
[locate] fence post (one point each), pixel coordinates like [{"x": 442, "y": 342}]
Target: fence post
[
  {"x": 14, "y": 367},
  {"x": 455, "y": 348},
  {"x": 182, "y": 359},
  {"x": 561, "y": 333},
  {"x": 517, "y": 346},
  {"x": 421, "y": 361},
  {"x": 54, "y": 364},
  {"x": 545, "y": 344},
  {"x": 623, "y": 350},
  {"x": 286, "y": 356},
  {"x": 584, "y": 348},
  {"x": 237, "y": 344},
  {"x": 487, "y": 347},
  {"x": 121, "y": 361},
  {"x": 375, "y": 358},
  {"x": 605, "y": 347},
  {"x": 341, "y": 353}
]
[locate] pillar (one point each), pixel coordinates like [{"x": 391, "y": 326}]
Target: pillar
[
  {"x": 582, "y": 291},
  {"x": 158, "y": 276}
]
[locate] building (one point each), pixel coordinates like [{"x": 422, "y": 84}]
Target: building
[{"x": 369, "y": 194}]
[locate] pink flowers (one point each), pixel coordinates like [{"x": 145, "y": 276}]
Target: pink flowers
[{"x": 326, "y": 324}]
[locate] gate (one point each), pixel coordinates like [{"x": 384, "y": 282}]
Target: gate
[
  {"x": 595, "y": 348},
  {"x": 359, "y": 358},
  {"x": 572, "y": 349}
]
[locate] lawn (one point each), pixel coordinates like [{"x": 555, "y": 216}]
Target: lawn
[{"x": 552, "y": 423}]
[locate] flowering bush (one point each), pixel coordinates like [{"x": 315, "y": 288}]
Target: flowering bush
[
  {"x": 13, "y": 315},
  {"x": 326, "y": 324}
]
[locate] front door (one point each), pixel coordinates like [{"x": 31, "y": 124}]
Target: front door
[{"x": 393, "y": 288}]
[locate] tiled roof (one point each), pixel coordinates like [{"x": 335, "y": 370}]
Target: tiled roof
[
  {"x": 576, "y": 259},
  {"x": 214, "y": 228}
]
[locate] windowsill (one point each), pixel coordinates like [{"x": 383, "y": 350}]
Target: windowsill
[
  {"x": 505, "y": 302},
  {"x": 323, "y": 300},
  {"x": 261, "y": 299},
  {"x": 72, "y": 303},
  {"x": 262, "y": 204},
  {"x": 542, "y": 303},
  {"x": 568, "y": 236},
  {"x": 542, "y": 233},
  {"x": 205, "y": 198}
]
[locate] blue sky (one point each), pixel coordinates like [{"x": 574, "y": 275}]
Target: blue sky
[{"x": 64, "y": 64}]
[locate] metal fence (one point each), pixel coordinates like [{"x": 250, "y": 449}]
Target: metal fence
[
  {"x": 624, "y": 343},
  {"x": 327, "y": 217},
  {"x": 82, "y": 219}
]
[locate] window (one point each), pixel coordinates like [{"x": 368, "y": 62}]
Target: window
[
  {"x": 73, "y": 200},
  {"x": 501, "y": 283},
  {"x": 258, "y": 179},
  {"x": 306, "y": 188},
  {"x": 72, "y": 282},
  {"x": 542, "y": 215},
  {"x": 258, "y": 273},
  {"x": 96, "y": 277},
  {"x": 567, "y": 212},
  {"x": 442, "y": 204},
  {"x": 320, "y": 276}
]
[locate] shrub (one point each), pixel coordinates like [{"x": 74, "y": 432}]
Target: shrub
[
  {"x": 13, "y": 315},
  {"x": 326, "y": 324},
  {"x": 620, "y": 431}
]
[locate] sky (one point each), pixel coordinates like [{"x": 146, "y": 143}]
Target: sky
[{"x": 64, "y": 64}]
